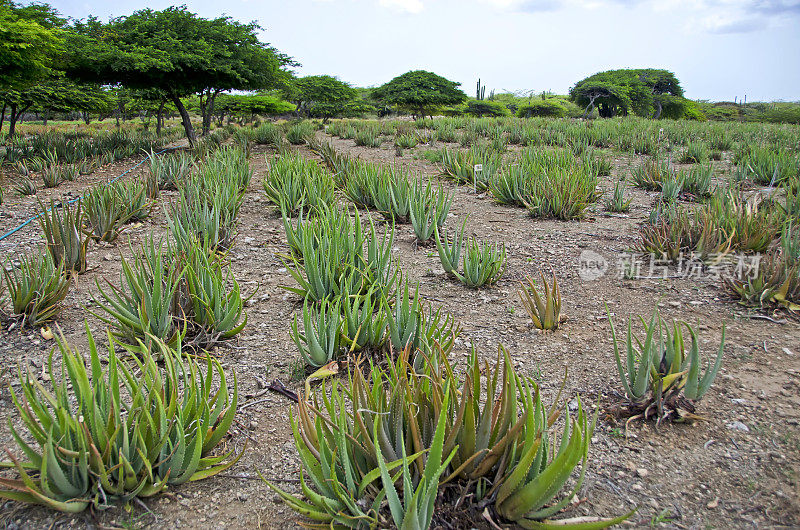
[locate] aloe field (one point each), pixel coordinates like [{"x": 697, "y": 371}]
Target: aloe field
[{"x": 449, "y": 323}]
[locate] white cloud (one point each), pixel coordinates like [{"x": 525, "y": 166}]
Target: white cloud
[
  {"x": 526, "y": 6},
  {"x": 408, "y": 6}
]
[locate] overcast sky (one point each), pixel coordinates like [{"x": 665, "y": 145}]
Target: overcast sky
[{"x": 719, "y": 49}]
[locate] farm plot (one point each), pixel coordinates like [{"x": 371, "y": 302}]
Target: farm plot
[{"x": 736, "y": 465}]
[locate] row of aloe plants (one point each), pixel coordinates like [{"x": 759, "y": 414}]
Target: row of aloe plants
[
  {"x": 392, "y": 191},
  {"x": 114, "y": 429},
  {"x": 59, "y": 157},
  {"x": 37, "y": 285},
  {"x": 733, "y": 224},
  {"x": 355, "y": 298}
]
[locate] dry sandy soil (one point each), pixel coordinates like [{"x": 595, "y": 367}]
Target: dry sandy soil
[{"x": 737, "y": 468}]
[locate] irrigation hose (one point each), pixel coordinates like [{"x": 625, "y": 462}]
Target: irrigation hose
[{"x": 31, "y": 219}]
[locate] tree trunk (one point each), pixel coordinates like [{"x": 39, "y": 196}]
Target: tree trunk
[
  {"x": 210, "y": 102},
  {"x": 207, "y": 108},
  {"x": 45, "y": 115},
  {"x": 187, "y": 122},
  {"x": 160, "y": 118},
  {"x": 590, "y": 106},
  {"x": 15, "y": 116},
  {"x": 2, "y": 117},
  {"x": 658, "y": 110}
]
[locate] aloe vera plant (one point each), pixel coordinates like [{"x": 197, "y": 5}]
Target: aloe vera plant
[
  {"x": 483, "y": 263},
  {"x": 428, "y": 209},
  {"x": 332, "y": 260},
  {"x": 545, "y": 308},
  {"x": 133, "y": 197},
  {"x": 63, "y": 230},
  {"x": 300, "y": 132},
  {"x": 617, "y": 202},
  {"x": 660, "y": 378},
  {"x": 319, "y": 342},
  {"x": 450, "y": 251},
  {"x": 141, "y": 307},
  {"x": 51, "y": 176},
  {"x": 399, "y": 433},
  {"x": 405, "y": 318},
  {"x": 776, "y": 283},
  {"x": 95, "y": 445},
  {"x": 417, "y": 507},
  {"x": 513, "y": 186},
  {"x": 167, "y": 171},
  {"x": 364, "y": 321},
  {"x": 36, "y": 288},
  {"x": 294, "y": 183},
  {"x": 217, "y": 310},
  {"x": 24, "y": 185},
  {"x": 105, "y": 213}
]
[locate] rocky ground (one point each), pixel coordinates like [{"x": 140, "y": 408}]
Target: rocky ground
[{"x": 736, "y": 468}]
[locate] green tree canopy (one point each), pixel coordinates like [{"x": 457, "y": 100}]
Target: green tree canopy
[
  {"x": 321, "y": 96},
  {"x": 248, "y": 106},
  {"x": 419, "y": 91},
  {"x": 29, "y": 40},
  {"x": 619, "y": 92},
  {"x": 176, "y": 52}
]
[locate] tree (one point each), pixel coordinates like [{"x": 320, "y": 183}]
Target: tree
[
  {"x": 618, "y": 92},
  {"x": 321, "y": 96},
  {"x": 178, "y": 53},
  {"x": 247, "y": 107},
  {"x": 29, "y": 40},
  {"x": 419, "y": 91}
]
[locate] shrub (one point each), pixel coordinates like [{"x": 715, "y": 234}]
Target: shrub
[
  {"x": 486, "y": 107},
  {"x": 541, "y": 108}
]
